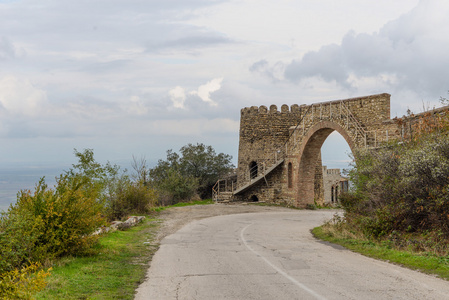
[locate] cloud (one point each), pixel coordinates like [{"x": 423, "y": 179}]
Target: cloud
[
  {"x": 178, "y": 97},
  {"x": 135, "y": 106},
  {"x": 409, "y": 53},
  {"x": 204, "y": 91},
  {"x": 196, "y": 40},
  {"x": 20, "y": 97},
  {"x": 7, "y": 49},
  {"x": 194, "y": 127},
  {"x": 275, "y": 72}
]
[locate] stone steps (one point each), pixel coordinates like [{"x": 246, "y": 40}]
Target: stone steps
[{"x": 258, "y": 178}]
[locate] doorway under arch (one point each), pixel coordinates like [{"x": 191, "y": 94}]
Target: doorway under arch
[{"x": 309, "y": 156}]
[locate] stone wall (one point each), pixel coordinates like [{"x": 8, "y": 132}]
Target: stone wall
[
  {"x": 295, "y": 135},
  {"x": 331, "y": 180}
]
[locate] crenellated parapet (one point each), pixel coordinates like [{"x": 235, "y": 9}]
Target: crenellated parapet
[
  {"x": 279, "y": 148},
  {"x": 270, "y": 134},
  {"x": 375, "y": 108},
  {"x": 295, "y": 108}
]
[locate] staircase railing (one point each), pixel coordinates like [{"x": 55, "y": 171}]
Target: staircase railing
[
  {"x": 351, "y": 120},
  {"x": 223, "y": 186},
  {"x": 343, "y": 113},
  {"x": 279, "y": 155}
]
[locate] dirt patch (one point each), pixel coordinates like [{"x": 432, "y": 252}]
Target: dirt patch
[{"x": 176, "y": 217}]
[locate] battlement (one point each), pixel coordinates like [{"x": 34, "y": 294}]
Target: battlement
[{"x": 298, "y": 109}]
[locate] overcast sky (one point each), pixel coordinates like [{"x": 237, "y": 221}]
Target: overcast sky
[{"x": 138, "y": 77}]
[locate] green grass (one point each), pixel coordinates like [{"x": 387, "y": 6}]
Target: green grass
[
  {"x": 115, "y": 268},
  {"x": 113, "y": 271},
  {"x": 181, "y": 204},
  {"x": 424, "y": 262}
]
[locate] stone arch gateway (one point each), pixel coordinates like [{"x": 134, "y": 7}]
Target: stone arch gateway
[
  {"x": 308, "y": 158},
  {"x": 286, "y": 144}
]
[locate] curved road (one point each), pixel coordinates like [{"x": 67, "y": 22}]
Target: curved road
[{"x": 274, "y": 256}]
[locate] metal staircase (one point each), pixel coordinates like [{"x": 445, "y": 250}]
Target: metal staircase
[{"x": 338, "y": 112}]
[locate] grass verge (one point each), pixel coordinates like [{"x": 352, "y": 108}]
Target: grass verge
[
  {"x": 181, "y": 204},
  {"x": 114, "y": 270},
  {"x": 424, "y": 262}
]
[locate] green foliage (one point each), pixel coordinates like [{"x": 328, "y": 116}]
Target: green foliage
[
  {"x": 194, "y": 170},
  {"x": 126, "y": 197},
  {"x": 181, "y": 204},
  {"x": 201, "y": 162},
  {"x": 176, "y": 187},
  {"x": 23, "y": 283},
  {"x": 114, "y": 269},
  {"x": 53, "y": 222},
  {"x": 50, "y": 223},
  {"x": 402, "y": 189},
  {"x": 383, "y": 249}
]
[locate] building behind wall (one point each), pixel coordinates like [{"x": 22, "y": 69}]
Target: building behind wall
[
  {"x": 279, "y": 150},
  {"x": 333, "y": 185}
]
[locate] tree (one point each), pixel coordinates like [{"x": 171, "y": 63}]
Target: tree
[
  {"x": 201, "y": 162},
  {"x": 195, "y": 169}
]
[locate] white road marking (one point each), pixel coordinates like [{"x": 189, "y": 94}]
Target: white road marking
[{"x": 299, "y": 284}]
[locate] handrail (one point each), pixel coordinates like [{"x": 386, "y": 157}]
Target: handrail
[
  {"x": 300, "y": 121},
  {"x": 263, "y": 165},
  {"x": 359, "y": 129},
  {"x": 354, "y": 120}
]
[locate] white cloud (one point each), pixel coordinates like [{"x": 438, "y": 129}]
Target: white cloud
[
  {"x": 194, "y": 127},
  {"x": 7, "y": 49},
  {"x": 405, "y": 54},
  {"x": 178, "y": 97},
  {"x": 21, "y": 97},
  {"x": 109, "y": 69},
  {"x": 135, "y": 106},
  {"x": 204, "y": 91}
]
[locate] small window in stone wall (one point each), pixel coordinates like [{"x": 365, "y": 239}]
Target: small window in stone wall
[
  {"x": 332, "y": 194},
  {"x": 290, "y": 175},
  {"x": 336, "y": 193},
  {"x": 253, "y": 170}
]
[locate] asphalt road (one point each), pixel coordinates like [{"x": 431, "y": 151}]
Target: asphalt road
[{"x": 272, "y": 255}]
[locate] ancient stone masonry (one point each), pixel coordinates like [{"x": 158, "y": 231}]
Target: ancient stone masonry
[{"x": 279, "y": 151}]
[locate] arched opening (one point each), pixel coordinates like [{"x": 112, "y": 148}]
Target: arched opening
[
  {"x": 254, "y": 198},
  {"x": 253, "y": 170},
  {"x": 332, "y": 194},
  {"x": 335, "y": 156},
  {"x": 310, "y": 164},
  {"x": 336, "y": 193},
  {"x": 290, "y": 175}
]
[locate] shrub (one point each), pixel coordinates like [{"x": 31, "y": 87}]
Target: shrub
[
  {"x": 60, "y": 220},
  {"x": 49, "y": 223},
  {"x": 126, "y": 197},
  {"x": 401, "y": 188},
  {"x": 23, "y": 283}
]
